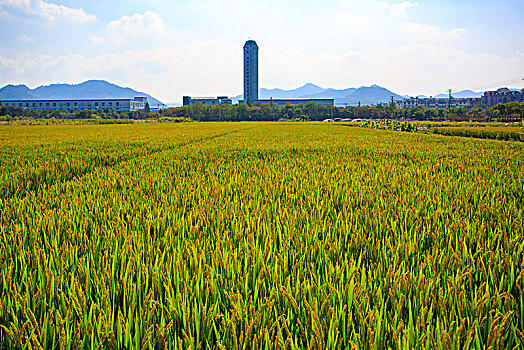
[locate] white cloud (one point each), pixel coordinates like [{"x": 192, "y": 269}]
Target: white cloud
[
  {"x": 432, "y": 68},
  {"x": 26, "y": 38},
  {"x": 165, "y": 73},
  {"x": 97, "y": 40},
  {"x": 53, "y": 12},
  {"x": 429, "y": 33},
  {"x": 10, "y": 66},
  {"x": 46, "y": 10},
  {"x": 348, "y": 57},
  {"x": 396, "y": 10},
  {"x": 137, "y": 24},
  {"x": 347, "y": 20},
  {"x": 149, "y": 26}
]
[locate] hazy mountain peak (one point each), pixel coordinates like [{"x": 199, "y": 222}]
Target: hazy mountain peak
[
  {"x": 16, "y": 86},
  {"x": 461, "y": 94},
  {"x": 309, "y": 89},
  {"x": 310, "y": 85}
]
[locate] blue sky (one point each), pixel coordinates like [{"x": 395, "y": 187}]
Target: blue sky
[{"x": 178, "y": 47}]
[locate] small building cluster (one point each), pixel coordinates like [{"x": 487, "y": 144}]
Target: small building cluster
[
  {"x": 187, "y": 100},
  {"x": 503, "y": 95},
  {"x": 119, "y": 105},
  {"x": 488, "y": 99},
  {"x": 438, "y": 102}
]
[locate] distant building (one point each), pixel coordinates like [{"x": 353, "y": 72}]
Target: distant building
[
  {"x": 251, "y": 85},
  {"x": 438, "y": 102},
  {"x": 251, "y": 70},
  {"x": 187, "y": 100},
  {"x": 251, "y": 81},
  {"x": 503, "y": 95},
  {"x": 119, "y": 105},
  {"x": 296, "y": 101}
]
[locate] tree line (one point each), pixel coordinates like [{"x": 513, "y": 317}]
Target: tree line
[{"x": 311, "y": 111}]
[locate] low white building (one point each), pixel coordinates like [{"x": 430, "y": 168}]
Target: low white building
[{"x": 119, "y": 104}]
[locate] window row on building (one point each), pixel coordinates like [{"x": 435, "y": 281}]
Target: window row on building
[
  {"x": 120, "y": 105},
  {"x": 438, "y": 102},
  {"x": 503, "y": 95}
]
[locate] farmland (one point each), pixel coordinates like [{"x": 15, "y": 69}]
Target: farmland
[
  {"x": 510, "y": 132},
  {"x": 259, "y": 235}
]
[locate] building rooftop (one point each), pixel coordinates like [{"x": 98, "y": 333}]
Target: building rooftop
[
  {"x": 72, "y": 99},
  {"x": 250, "y": 42}
]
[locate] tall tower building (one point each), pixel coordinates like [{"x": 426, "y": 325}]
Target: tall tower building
[{"x": 251, "y": 71}]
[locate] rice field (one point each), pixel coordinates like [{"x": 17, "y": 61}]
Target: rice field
[
  {"x": 258, "y": 236},
  {"x": 506, "y": 132}
]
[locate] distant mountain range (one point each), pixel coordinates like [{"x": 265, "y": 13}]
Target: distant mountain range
[
  {"x": 92, "y": 89},
  {"x": 365, "y": 95}
]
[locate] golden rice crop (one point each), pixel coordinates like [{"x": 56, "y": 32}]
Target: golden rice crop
[
  {"x": 258, "y": 235},
  {"x": 510, "y": 132}
]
